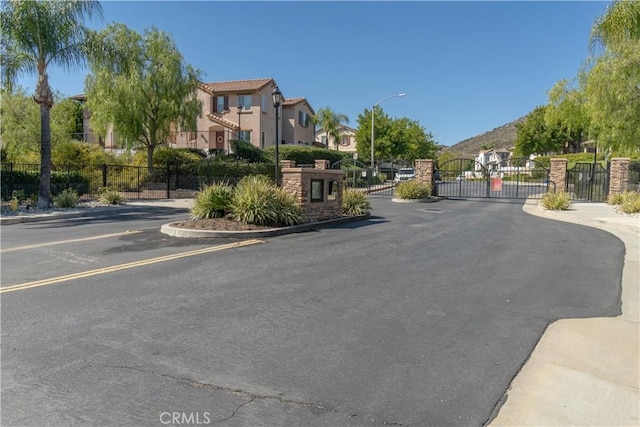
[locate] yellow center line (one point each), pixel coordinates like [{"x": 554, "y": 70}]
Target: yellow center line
[
  {"x": 113, "y": 268},
  {"x": 62, "y": 242}
]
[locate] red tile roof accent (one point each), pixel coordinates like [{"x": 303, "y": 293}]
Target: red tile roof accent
[
  {"x": 224, "y": 122},
  {"x": 205, "y": 88},
  {"x": 293, "y": 101},
  {"x": 239, "y": 85}
]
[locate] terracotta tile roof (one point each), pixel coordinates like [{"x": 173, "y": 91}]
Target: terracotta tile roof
[
  {"x": 292, "y": 101},
  {"x": 222, "y": 121},
  {"x": 239, "y": 85},
  {"x": 288, "y": 102},
  {"x": 204, "y": 87}
]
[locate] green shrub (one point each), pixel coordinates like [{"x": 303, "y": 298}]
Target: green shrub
[
  {"x": 14, "y": 204},
  {"x": 212, "y": 201},
  {"x": 559, "y": 201},
  {"x": 413, "y": 190},
  {"x": 110, "y": 196},
  {"x": 248, "y": 152},
  {"x": 304, "y": 155},
  {"x": 355, "y": 203},
  {"x": 19, "y": 195},
  {"x": 631, "y": 205},
  {"x": 288, "y": 211},
  {"x": 213, "y": 170},
  {"x": 66, "y": 199},
  {"x": 629, "y": 201},
  {"x": 621, "y": 198},
  {"x": 257, "y": 200}
]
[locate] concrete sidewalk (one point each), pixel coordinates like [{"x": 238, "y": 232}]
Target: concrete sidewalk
[{"x": 584, "y": 371}]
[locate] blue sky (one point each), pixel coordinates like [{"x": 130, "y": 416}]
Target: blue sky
[{"x": 466, "y": 67}]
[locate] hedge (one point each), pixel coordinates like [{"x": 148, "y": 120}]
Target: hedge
[{"x": 304, "y": 155}]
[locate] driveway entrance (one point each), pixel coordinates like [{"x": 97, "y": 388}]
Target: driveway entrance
[{"x": 519, "y": 178}]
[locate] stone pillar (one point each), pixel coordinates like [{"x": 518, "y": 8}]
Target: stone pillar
[
  {"x": 558, "y": 175},
  {"x": 318, "y": 191},
  {"x": 619, "y": 175},
  {"x": 322, "y": 164},
  {"x": 288, "y": 163},
  {"x": 424, "y": 172}
]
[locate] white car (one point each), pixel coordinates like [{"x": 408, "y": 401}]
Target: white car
[
  {"x": 460, "y": 178},
  {"x": 405, "y": 174}
]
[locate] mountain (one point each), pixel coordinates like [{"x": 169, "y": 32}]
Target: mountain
[{"x": 500, "y": 137}]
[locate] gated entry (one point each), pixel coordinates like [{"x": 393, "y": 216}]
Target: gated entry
[
  {"x": 379, "y": 181},
  {"x": 588, "y": 181},
  {"x": 518, "y": 178}
]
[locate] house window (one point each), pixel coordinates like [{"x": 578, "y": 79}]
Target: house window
[
  {"x": 344, "y": 140},
  {"x": 245, "y": 135},
  {"x": 323, "y": 139},
  {"x": 244, "y": 101},
  {"x": 263, "y": 103},
  {"x": 220, "y": 104},
  {"x": 303, "y": 119},
  {"x": 262, "y": 140}
]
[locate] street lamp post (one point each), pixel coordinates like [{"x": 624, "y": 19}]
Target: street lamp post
[
  {"x": 276, "y": 97},
  {"x": 373, "y": 110}
]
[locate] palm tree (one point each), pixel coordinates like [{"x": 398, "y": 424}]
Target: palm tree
[
  {"x": 36, "y": 34},
  {"x": 330, "y": 123}
]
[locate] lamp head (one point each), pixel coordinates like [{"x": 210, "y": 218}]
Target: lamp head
[{"x": 276, "y": 97}]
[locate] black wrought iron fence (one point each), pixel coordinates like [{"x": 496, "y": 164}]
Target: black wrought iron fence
[
  {"x": 588, "y": 181},
  {"x": 134, "y": 182}
]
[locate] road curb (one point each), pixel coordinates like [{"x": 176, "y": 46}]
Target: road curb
[{"x": 189, "y": 232}]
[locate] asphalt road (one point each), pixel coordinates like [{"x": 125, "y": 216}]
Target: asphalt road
[{"x": 419, "y": 316}]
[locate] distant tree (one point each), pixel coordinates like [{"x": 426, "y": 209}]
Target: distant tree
[
  {"x": 412, "y": 141},
  {"x": 330, "y": 122},
  {"x": 567, "y": 109},
  {"x": 36, "y": 34},
  {"x": 612, "y": 86},
  {"x": 142, "y": 89},
  {"x": 400, "y": 138},
  {"x": 535, "y": 136},
  {"x": 382, "y": 134},
  {"x": 20, "y": 133},
  {"x": 618, "y": 26},
  {"x": 19, "y": 126}
]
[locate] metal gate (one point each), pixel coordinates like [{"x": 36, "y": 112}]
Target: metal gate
[
  {"x": 379, "y": 181},
  {"x": 518, "y": 178},
  {"x": 588, "y": 181}
]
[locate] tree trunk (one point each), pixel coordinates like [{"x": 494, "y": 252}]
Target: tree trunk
[
  {"x": 44, "y": 192},
  {"x": 44, "y": 98},
  {"x": 150, "y": 156}
]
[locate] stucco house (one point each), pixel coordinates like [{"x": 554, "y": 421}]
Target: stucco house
[
  {"x": 238, "y": 109},
  {"x": 346, "y": 142},
  {"x": 297, "y": 126},
  {"x": 243, "y": 109}
]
